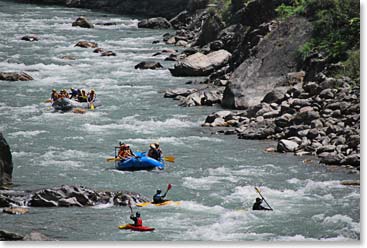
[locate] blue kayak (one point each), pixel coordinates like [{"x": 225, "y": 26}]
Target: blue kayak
[{"x": 143, "y": 162}]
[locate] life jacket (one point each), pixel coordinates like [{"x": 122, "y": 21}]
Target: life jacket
[
  {"x": 157, "y": 198},
  {"x": 54, "y": 96},
  {"x": 139, "y": 221},
  {"x": 125, "y": 153},
  {"x": 91, "y": 97}
]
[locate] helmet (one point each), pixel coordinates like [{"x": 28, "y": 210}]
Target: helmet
[
  {"x": 157, "y": 144},
  {"x": 159, "y": 191},
  {"x": 152, "y": 146},
  {"x": 53, "y": 90},
  {"x": 258, "y": 199},
  {"x": 72, "y": 88},
  {"x": 137, "y": 214},
  {"x": 92, "y": 90}
]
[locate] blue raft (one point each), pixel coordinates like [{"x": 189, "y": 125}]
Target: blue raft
[{"x": 143, "y": 162}]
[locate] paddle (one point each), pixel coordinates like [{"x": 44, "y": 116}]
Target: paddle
[
  {"x": 258, "y": 191},
  {"x": 168, "y": 188},
  {"x": 91, "y": 106},
  {"x": 170, "y": 159},
  {"x": 131, "y": 209}
]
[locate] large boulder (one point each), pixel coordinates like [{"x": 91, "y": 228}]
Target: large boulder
[
  {"x": 199, "y": 64},
  {"x": 274, "y": 57},
  {"x": 287, "y": 146},
  {"x": 210, "y": 30},
  {"x": 14, "y": 76},
  {"x": 82, "y": 22},
  {"x": 155, "y": 23},
  {"x": 6, "y": 163}
]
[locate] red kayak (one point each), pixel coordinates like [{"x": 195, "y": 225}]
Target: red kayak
[{"x": 137, "y": 228}]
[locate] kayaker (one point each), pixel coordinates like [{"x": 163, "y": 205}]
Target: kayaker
[
  {"x": 92, "y": 96},
  {"x": 54, "y": 95},
  {"x": 158, "y": 198},
  {"x": 125, "y": 152},
  {"x": 138, "y": 221},
  {"x": 257, "y": 205}
]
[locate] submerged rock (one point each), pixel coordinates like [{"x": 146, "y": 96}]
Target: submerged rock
[
  {"x": 86, "y": 44},
  {"x": 82, "y": 22},
  {"x": 29, "y": 38},
  {"x": 145, "y": 65},
  {"x": 14, "y": 76}
]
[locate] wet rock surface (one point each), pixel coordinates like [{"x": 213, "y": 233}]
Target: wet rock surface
[
  {"x": 6, "y": 165},
  {"x": 15, "y": 76},
  {"x": 82, "y": 22}
]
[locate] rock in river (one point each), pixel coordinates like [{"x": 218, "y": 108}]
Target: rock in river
[
  {"x": 155, "y": 23},
  {"x": 82, "y": 22},
  {"x": 148, "y": 65},
  {"x": 199, "y": 64},
  {"x": 86, "y": 44},
  {"x": 6, "y": 163},
  {"x": 14, "y": 76}
]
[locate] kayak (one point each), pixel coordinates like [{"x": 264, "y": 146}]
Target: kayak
[
  {"x": 137, "y": 228},
  {"x": 66, "y": 104},
  {"x": 169, "y": 202},
  {"x": 142, "y": 162}
]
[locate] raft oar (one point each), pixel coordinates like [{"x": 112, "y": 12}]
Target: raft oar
[
  {"x": 258, "y": 191},
  {"x": 91, "y": 106},
  {"x": 170, "y": 159}
]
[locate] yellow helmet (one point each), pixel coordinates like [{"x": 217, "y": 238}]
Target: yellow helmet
[
  {"x": 92, "y": 90},
  {"x": 53, "y": 90}
]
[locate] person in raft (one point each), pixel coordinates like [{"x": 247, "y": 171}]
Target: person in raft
[
  {"x": 153, "y": 153},
  {"x": 91, "y": 96},
  {"x": 74, "y": 93},
  {"x": 257, "y": 205},
  {"x": 83, "y": 96},
  {"x": 138, "y": 221},
  {"x": 125, "y": 152},
  {"x": 54, "y": 95},
  {"x": 158, "y": 197}
]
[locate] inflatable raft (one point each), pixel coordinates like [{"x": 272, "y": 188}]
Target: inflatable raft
[
  {"x": 142, "y": 162},
  {"x": 66, "y": 104},
  {"x": 137, "y": 228}
]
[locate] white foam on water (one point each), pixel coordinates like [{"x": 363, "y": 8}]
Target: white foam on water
[
  {"x": 140, "y": 126},
  {"x": 27, "y": 134},
  {"x": 203, "y": 183},
  {"x": 103, "y": 206}
]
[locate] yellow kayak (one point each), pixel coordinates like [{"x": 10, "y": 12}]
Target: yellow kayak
[{"x": 144, "y": 204}]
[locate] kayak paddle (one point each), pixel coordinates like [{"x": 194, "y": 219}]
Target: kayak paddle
[
  {"x": 113, "y": 159},
  {"x": 131, "y": 209},
  {"x": 168, "y": 188},
  {"x": 91, "y": 106},
  {"x": 258, "y": 191}
]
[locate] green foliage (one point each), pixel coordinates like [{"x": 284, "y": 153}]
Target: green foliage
[
  {"x": 352, "y": 65},
  {"x": 336, "y": 30}
]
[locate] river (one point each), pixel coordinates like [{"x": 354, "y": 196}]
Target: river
[{"x": 214, "y": 175}]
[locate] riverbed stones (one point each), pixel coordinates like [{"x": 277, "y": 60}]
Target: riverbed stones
[
  {"x": 108, "y": 54},
  {"x": 287, "y": 146}
]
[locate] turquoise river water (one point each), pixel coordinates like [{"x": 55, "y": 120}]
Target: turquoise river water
[{"x": 214, "y": 175}]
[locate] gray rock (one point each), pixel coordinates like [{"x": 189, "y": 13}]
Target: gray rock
[
  {"x": 171, "y": 93},
  {"x": 312, "y": 133},
  {"x": 199, "y": 64},
  {"x": 353, "y": 141},
  {"x": 108, "y": 53},
  {"x": 210, "y": 30},
  {"x": 275, "y": 96},
  {"x": 287, "y": 146},
  {"x": 6, "y": 163},
  {"x": 353, "y": 160},
  {"x": 82, "y": 22},
  {"x": 327, "y": 148},
  {"x": 148, "y": 65},
  {"x": 9, "y": 236},
  {"x": 86, "y": 44},
  {"x": 36, "y": 236},
  {"x": 312, "y": 88},
  {"x": 284, "y": 120},
  {"x": 216, "y": 45},
  {"x": 327, "y": 94},
  {"x": 69, "y": 202},
  {"x": 155, "y": 23},
  {"x": 29, "y": 38},
  {"x": 14, "y": 76},
  {"x": 259, "y": 74},
  {"x": 306, "y": 115}
]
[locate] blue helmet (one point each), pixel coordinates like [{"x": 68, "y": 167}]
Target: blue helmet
[{"x": 137, "y": 214}]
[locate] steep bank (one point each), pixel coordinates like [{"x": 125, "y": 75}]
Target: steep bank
[
  {"x": 148, "y": 8},
  {"x": 6, "y": 163}
]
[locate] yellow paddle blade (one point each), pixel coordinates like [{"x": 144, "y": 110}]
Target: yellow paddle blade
[
  {"x": 257, "y": 190},
  {"x": 92, "y": 106},
  {"x": 123, "y": 226},
  {"x": 169, "y": 159},
  {"x": 112, "y": 159}
]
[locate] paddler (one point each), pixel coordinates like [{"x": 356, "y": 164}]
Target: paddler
[
  {"x": 54, "y": 95},
  {"x": 257, "y": 205},
  {"x": 125, "y": 152},
  {"x": 158, "y": 197},
  {"x": 138, "y": 221},
  {"x": 91, "y": 96},
  {"x": 74, "y": 93},
  {"x": 83, "y": 96}
]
